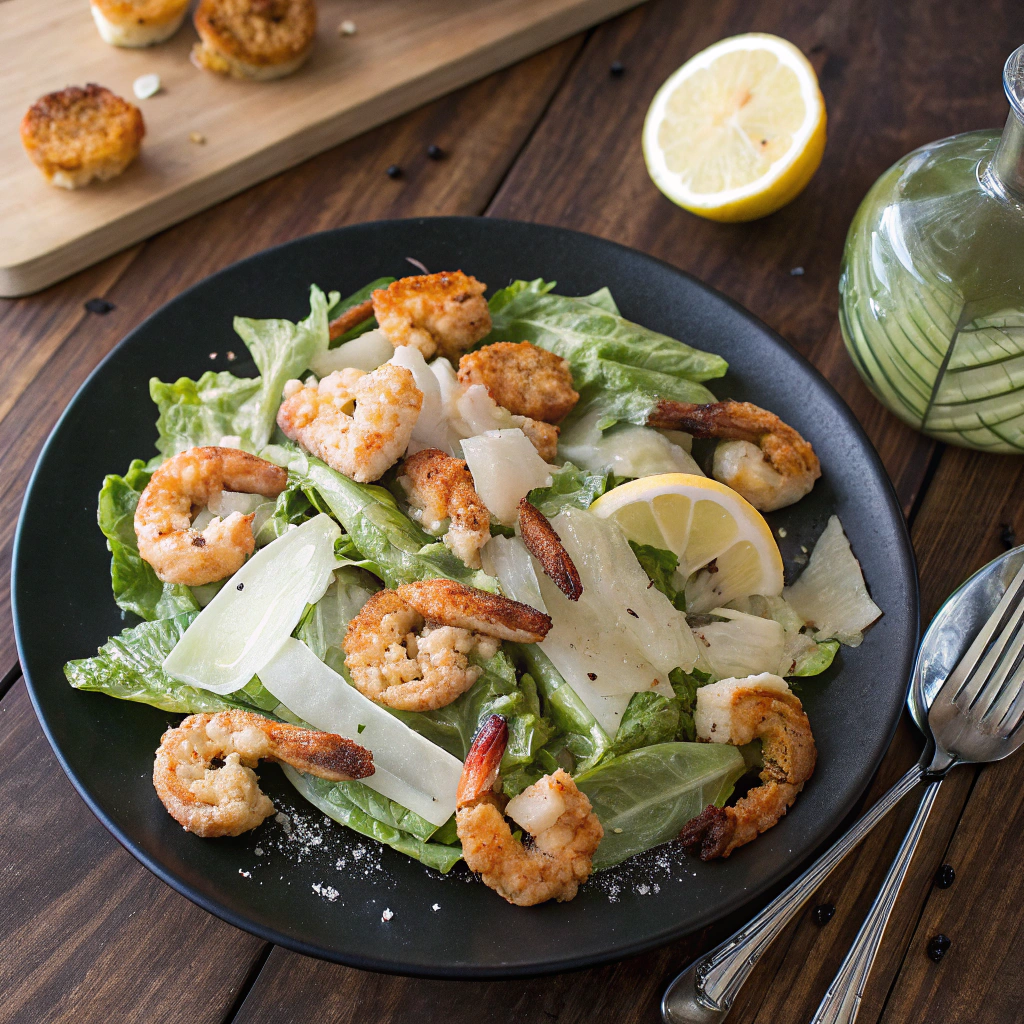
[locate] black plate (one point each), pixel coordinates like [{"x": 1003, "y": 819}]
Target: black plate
[{"x": 63, "y": 609}]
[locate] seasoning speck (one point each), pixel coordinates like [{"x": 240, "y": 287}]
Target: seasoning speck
[
  {"x": 436, "y": 906},
  {"x": 782, "y": 531},
  {"x": 244, "y": 874},
  {"x": 241, "y": 586},
  {"x": 938, "y": 947},
  {"x": 258, "y": 851},
  {"x": 823, "y": 913},
  {"x": 616, "y": 70},
  {"x": 145, "y": 86},
  {"x": 100, "y": 306},
  {"x": 435, "y": 152},
  {"x": 394, "y": 171},
  {"x": 617, "y": 831},
  {"x": 328, "y": 892},
  {"x": 945, "y": 877},
  {"x": 633, "y": 613},
  {"x": 197, "y": 137},
  {"x": 213, "y": 355},
  {"x": 347, "y": 28},
  {"x": 360, "y": 728},
  {"x": 591, "y": 676},
  {"x": 387, "y": 915},
  {"x": 797, "y": 272}
]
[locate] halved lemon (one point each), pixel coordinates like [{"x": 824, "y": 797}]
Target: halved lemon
[
  {"x": 738, "y": 130},
  {"x": 714, "y": 533}
]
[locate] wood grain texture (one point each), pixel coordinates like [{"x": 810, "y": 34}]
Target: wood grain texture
[
  {"x": 404, "y": 54},
  {"x": 53, "y": 344},
  {"x": 87, "y": 934}
]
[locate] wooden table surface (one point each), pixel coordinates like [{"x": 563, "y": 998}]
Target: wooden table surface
[{"x": 88, "y": 935}]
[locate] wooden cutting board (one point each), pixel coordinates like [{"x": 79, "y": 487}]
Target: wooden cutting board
[{"x": 403, "y": 54}]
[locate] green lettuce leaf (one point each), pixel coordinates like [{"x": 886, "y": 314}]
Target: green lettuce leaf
[
  {"x": 335, "y": 799},
  {"x": 645, "y": 797},
  {"x": 620, "y": 368},
  {"x": 570, "y": 487},
  {"x": 355, "y": 299},
  {"x": 686, "y": 685},
  {"x": 660, "y": 566},
  {"x": 136, "y": 587},
  {"x": 130, "y": 667},
  {"x": 816, "y": 660},
  {"x": 201, "y": 412}
]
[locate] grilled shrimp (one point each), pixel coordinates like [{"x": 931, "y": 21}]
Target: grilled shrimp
[
  {"x": 440, "y": 487},
  {"x": 563, "y": 828},
  {"x": 764, "y": 459},
  {"x": 358, "y": 423},
  {"x": 190, "y": 480},
  {"x": 738, "y": 711},
  {"x": 409, "y": 648},
  {"x": 526, "y": 380},
  {"x": 227, "y": 800},
  {"x": 445, "y": 313}
]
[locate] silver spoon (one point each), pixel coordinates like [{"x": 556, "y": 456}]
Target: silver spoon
[{"x": 704, "y": 993}]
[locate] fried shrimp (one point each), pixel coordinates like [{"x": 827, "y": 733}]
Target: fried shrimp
[
  {"x": 444, "y": 313},
  {"x": 545, "y": 545},
  {"x": 188, "y": 481},
  {"x": 358, "y": 423},
  {"x": 764, "y": 459},
  {"x": 738, "y": 711},
  {"x": 564, "y": 830},
  {"x": 543, "y": 437},
  {"x": 409, "y": 648},
  {"x": 440, "y": 487},
  {"x": 526, "y": 380},
  {"x": 227, "y": 800},
  {"x": 352, "y": 317}
]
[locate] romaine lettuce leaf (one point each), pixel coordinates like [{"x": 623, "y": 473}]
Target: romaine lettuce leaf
[
  {"x": 336, "y": 800},
  {"x": 569, "y": 487},
  {"x": 130, "y": 667},
  {"x": 201, "y": 412},
  {"x": 618, "y": 367},
  {"x": 136, "y": 587},
  {"x": 660, "y": 566},
  {"x": 645, "y": 797}
]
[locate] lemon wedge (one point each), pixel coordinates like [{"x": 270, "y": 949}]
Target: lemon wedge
[
  {"x": 701, "y": 521},
  {"x": 738, "y": 130}
]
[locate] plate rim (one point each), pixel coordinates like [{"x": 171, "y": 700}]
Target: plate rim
[{"x": 465, "y": 971}]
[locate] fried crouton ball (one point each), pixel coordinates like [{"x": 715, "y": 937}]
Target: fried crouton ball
[
  {"x": 254, "y": 39},
  {"x": 77, "y": 135},
  {"x": 137, "y": 23},
  {"x": 525, "y": 379}
]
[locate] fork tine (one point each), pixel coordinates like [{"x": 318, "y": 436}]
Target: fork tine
[
  {"x": 972, "y": 671},
  {"x": 1008, "y": 712},
  {"x": 998, "y": 665}
]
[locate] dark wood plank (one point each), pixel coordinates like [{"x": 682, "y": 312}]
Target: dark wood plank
[
  {"x": 86, "y": 933},
  {"x": 53, "y": 344}
]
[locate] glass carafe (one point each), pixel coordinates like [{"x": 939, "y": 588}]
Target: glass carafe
[{"x": 932, "y": 284}]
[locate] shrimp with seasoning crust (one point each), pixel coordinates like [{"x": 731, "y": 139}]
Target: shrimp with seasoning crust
[
  {"x": 545, "y": 545},
  {"x": 227, "y": 800},
  {"x": 764, "y": 459},
  {"x": 444, "y": 313},
  {"x": 526, "y": 380},
  {"x": 409, "y": 648},
  {"x": 738, "y": 711},
  {"x": 564, "y": 829},
  {"x": 440, "y": 487},
  {"x": 358, "y": 423},
  {"x": 190, "y": 480}
]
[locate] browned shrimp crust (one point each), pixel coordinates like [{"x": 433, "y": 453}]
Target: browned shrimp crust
[
  {"x": 254, "y": 38},
  {"x": 545, "y": 545},
  {"x": 141, "y": 12},
  {"x": 352, "y": 317},
  {"x": 543, "y": 436},
  {"x": 789, "y": 754},
  {"x": 77, "y": 135},
  {"x": 444, "y": 313},
  {"x": 226, "y": 800},
  {"x": 442, "y": 488},
  {"x": 526, "y": 380}
]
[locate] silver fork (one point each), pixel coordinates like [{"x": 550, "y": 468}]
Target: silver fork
[{"x": 977, "y": 717}]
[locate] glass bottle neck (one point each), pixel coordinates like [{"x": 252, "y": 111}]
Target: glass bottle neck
[{"x": 1007, "y": 166}]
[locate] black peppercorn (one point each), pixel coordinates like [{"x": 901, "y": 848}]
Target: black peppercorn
[
  {"x": 823, "y": 914},
  {"x": 241, "y": 586},
  {"x": 938, "y": 947},
  {"x": 945, "y": 877},
  {"x": 616, "y": 69},
  {"x": 435, "y": 152},
  {"x": 394, "y": 171}
]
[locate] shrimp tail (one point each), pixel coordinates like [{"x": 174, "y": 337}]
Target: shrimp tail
[
  {"x": 323, "y": 754},
  {"x": 483, "y": 761},
  {"x": 711, "y": 831},
  {"x": 545, "y": 545},
  {"x": 716, "y": 419},
  {"x": 352, "y": 317}
]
